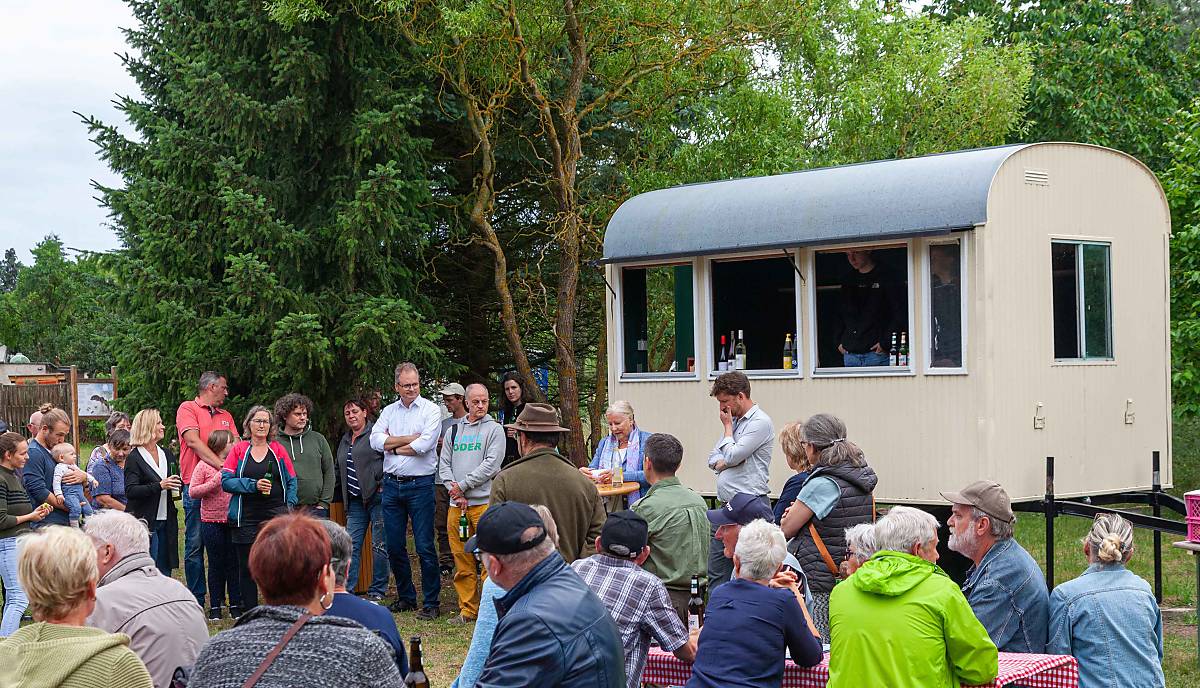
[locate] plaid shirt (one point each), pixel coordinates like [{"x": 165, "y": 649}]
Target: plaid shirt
[{"x": 639, "y": 604}]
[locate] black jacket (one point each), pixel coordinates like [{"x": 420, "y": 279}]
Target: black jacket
[
  {"x": 368, "y": 465},
  {"x": 142, "y": 489},
  {"x": 872, "y": 309}
]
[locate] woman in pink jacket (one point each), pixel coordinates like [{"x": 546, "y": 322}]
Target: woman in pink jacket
[{"x": 214, "y": 513}]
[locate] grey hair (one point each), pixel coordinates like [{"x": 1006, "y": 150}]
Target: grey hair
[
  {"x": 341, "y": 549},
  {"x": 125, "y": 532},
  {"x": 903, "y": 528},
  {"x": 760, "y": 550},
  {"x": 860, "y": 540},
  {"x": 1000, "y": 529},
  {"x": 827, "y": 435},
  {"x": 406, "y": 366},
  {"x": 207, "y": 379},
  {"x": 622, "y": 407},
  {"x": 114, "y": 418},
  {"x": 524, "y": 561},
  {"x": 1111, "y": 539}
]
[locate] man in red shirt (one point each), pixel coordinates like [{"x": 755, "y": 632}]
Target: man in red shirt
[{"x": 194, "y": 420}]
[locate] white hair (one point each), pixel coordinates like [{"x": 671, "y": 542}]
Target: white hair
[
  {"x": 860, "y": 540},
  {"x": 126, "y": 533},
  {"x": 760, "y": 550},
  {"x": 903, "y": 528},
  {"x": 620, "y": 406}
]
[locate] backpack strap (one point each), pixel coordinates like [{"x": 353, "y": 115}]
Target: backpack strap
[{"x": 274, "y": 653}]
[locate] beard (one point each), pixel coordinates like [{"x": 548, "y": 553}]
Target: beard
[{"x": 965, "y": 543}]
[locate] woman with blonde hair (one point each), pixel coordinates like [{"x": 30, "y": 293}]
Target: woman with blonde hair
[
  {"x": 1107, "y": 617},
  {"x": 151, "y": 488},
  {"x": 623, "y": 446},
  {"x": 57, "y": 567},
  {"x": 792, "y": 444}
]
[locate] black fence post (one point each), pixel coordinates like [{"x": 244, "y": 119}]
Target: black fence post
[
  {"x": 1156, "y": 506},
  {"x": 1051, "y": 512}
]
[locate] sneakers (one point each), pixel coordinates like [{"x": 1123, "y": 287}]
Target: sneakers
[
  {"x": 402, "y": 606},
  {"x": 428, "y": 613},
  {"x": 214, "y": 614},
  {"x": 460, "y": 620},
  {"x": 235, "y": 612},
  {"x": 373, "y": 597}
]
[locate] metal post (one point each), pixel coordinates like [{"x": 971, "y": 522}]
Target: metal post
[
  {"x": 1048, "y": 503},
  {"x": 1156, "y": 490}
]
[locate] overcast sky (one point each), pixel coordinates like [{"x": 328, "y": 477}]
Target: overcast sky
[{"x": 57, "y": 57}]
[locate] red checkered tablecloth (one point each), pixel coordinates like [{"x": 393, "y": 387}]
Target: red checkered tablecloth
[{"x": 1034, "y": 671}]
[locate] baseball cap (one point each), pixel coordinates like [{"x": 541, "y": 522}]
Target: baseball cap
[
  {"x": 500, "y": 529},
  {"x": 987, "y": 496},
  {"x": 454, "y": 388},
  {"x": 624, "y": 534},
  {"x": 740, "y": 510}
]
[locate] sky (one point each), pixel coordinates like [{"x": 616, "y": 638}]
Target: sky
[{"x": 57, "y": 57}]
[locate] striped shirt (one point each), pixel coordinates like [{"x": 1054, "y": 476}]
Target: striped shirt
[
  {"x": 14, "y": 502},
  {"x": 639, "y": 604}
]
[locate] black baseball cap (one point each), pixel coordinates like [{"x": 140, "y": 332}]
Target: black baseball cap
[
  {"x": 624, "y": 534},
  {"x": 740, "y": 510},
  {"x": 500, "y": 529}
]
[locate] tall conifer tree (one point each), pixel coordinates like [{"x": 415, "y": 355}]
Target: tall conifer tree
[{"x": 274, "y": 208}]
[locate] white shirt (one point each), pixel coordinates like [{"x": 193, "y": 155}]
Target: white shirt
[
  {"x": 160, "y": 467},
  {"x": 422, "y": 417}
]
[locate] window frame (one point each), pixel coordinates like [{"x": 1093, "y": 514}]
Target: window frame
[
  {"x": 1081, "y": 328},
  {"x": 618, "y": 312},
  {"x": 927, "y": 303},
  {"x": 797, "y": 371},
  {"x": 876, "y": 371}
]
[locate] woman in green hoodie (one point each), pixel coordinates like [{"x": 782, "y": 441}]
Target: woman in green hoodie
[
  {"x": 57, "y": 568},
  {"x": 900, "y": 621}
]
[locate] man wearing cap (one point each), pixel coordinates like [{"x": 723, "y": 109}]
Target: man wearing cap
[
  {"x": 543, "y": 476},
  {"x": 552, "y": 629},
  {"x": 741, "y": 458},
  {"x": 472, "y": 451},
  {"x": 739, "y": 511},
  {"x": 637, "y": 600},
  {"x": 454, "y": 399},
  {"x": 1005, "y": 587}
]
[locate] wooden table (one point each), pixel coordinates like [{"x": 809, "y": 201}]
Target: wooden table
[
  {"x": 617, "y": 493},
  {"x": 1034, "y": 671},
  {"x": 1194, "y": 548}
]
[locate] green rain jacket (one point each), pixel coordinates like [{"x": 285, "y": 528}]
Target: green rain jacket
[{"x": 900, "y": 621}]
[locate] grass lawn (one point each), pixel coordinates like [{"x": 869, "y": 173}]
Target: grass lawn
[{"x": 444, "y": 646}]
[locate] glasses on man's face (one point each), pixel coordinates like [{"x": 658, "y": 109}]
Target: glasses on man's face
[{"x": 412, "y": 385}]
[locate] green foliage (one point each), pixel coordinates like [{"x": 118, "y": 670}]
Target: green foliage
[
  {"x": 274, "y": 208},
  {"x": 1181, "y": 181},
  {"x": 60, "y": 310},
  {"x": 9, "y": 270}
]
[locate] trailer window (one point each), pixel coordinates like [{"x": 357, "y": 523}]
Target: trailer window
[
  {"x": 658, "y": 318},
  {"x": 1081, "y": 277},
  {"x": 754, "y": 305},
  {"x": 862, "y": 303},
  {"x": 945, "y": 305}
]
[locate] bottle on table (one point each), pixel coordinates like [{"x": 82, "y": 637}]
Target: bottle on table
[
  {"x": 464, "y": 527},
  {"x": 741, "y": 350},
  {"x": 722, "y": 357},
  {"x": 788, "y": 360},
  {"x": 416, "y": 671},
  {"x": 903, "y": 355},
  {"x": 618, "y": 474},
  {"x": 695, "y": 606},
  {"x": 894, "y": 353}
]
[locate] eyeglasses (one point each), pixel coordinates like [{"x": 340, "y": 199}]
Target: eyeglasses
[
  {"x": 413, "y": 385},
  {"x": 261, "y": 421}
]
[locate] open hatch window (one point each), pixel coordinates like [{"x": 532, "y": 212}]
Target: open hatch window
[
  {"x": 658, "y": 319},
  {"x": 754, "y": 314},
  {"x": 862, "y": 307}
]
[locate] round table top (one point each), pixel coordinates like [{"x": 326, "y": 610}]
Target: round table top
[{"x": 607, "y": 490}]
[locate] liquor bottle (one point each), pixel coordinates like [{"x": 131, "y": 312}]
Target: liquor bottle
[
  {"x": 732, "y": 357},
  {"x": 741, "y": 350},
  {"x": 642, "y": 355},
  {"x": 695, "y": 606},
  {"x": 722, "y": 357},
  {"x": 416, "y": 672},
  {"x": 618, "y": 475},
  {"x": 788, "y": 361},
  {"x": 464, "y": 527},
  {"x": 903, "y": 360},
  {"x": 796, "y": 351},
  {"x": 894, "y": 353}
]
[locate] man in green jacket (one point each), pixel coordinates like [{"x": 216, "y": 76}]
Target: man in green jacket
[
  {"x": 900, "y": 621},
  {"x": 309, "y": 452}
]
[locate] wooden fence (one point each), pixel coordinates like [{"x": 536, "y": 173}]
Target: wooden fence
[{"x": 18, "y": 402}]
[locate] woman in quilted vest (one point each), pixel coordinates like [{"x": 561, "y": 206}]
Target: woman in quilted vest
[{"x": 836, "y": 495}]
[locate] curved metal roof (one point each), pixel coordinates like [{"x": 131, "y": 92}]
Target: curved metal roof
[{"x": 889, "y": 199}]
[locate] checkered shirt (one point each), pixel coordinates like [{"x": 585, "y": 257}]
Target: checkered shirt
[{"x": 639, "y": 604}]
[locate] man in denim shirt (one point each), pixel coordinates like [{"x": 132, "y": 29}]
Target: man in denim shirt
[{"x": 1005, "y": 587}]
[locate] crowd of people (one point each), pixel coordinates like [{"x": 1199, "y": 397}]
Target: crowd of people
[{"x": 561, "y": 592}]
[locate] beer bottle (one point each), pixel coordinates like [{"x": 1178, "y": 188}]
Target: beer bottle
[
  {"x": 416, "y": 672},
  {"x": 695, "y": 606},
  {"x": 722, "y": 357},
  {"x": 741, "y": 350},
  {"x": 788, "y": 363},
  {"x": 464, "y": 527},
  {"x": 894, "y": 353},
  {"x": 903, "y": 356}
]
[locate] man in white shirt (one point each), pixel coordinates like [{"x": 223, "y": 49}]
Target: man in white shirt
[{"x": 407, "y": 433}]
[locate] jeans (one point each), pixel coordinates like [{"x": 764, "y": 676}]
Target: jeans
[
  {"x": 357, "y": 517},
  {"x": 15, "y": 600},
  {"x": 158, "y": 536},
  {"x": 861, "y": 360},
  {"x": 222, "y": 565},
  {"x": 411, "y": 499},
  {"x": 193, "y": 549}
]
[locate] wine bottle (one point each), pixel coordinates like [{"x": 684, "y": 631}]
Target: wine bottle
[
  {"x": 894, "y": 353},
  {"x": 464, "y": 527},
  {"x": 732, "y": 357},
  {"x": 722, "y": 357},
  {"x": 741, "y": 350},
  {"x": 416, "y": 671},
  {"x": 788, "y": 361},
  {"x": 903, "y": 355},
  {"x": 695, "y": 606}
]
